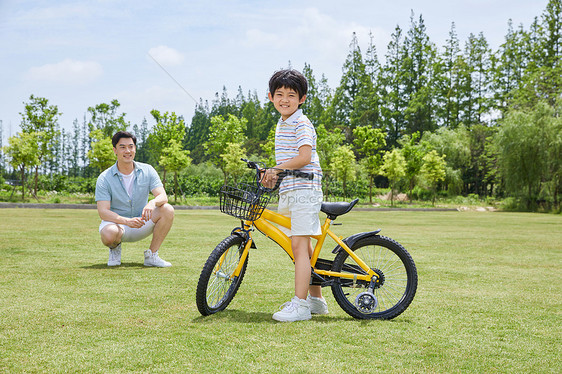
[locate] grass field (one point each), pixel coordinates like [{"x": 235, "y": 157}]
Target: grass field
[{"x": 489, "y": 300}]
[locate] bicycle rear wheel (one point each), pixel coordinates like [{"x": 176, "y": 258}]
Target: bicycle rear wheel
[
  {"x": 217, "y": 287},
  {"x": 397, "y": 273}
]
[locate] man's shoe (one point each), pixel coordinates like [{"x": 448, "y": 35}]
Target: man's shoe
[
  {"x": 152, "y": 259},
  {"x": 317, "y": 305},
  {"x": 294, "y": 310},
  {"x": 114, "y": 256}
]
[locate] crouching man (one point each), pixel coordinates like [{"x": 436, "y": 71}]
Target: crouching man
[{"x": 122, "y": 201}]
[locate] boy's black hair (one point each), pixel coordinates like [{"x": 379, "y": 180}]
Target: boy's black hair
[
  {"x": 122, "y": 134},
  {"x": 289, "y": 78}
]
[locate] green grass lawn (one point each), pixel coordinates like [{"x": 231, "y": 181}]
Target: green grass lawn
[{"x": 488, "y": 300}]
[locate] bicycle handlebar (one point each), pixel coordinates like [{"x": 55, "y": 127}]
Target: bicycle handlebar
[{"x": 260, "y": 168}]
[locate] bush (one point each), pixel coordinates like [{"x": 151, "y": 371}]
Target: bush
[{"x": 419, "y": 193}]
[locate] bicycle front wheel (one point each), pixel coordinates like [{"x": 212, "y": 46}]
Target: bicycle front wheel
[
  {"x": 398, "y": 279},
  {"x": 217, "y": 287}
]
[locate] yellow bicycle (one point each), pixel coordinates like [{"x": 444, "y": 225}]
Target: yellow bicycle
[{"x": 371, "y": 276}]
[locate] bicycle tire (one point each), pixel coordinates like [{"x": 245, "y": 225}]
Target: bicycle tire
[
  {"x": 215, "y": 288},
  {"x": 398, "y": 272}
]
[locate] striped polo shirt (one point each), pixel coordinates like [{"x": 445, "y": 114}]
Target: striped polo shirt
[{"x": 290, "y": 135}]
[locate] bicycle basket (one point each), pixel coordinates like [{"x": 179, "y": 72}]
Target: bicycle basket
[{"x": 244, "y": 201}]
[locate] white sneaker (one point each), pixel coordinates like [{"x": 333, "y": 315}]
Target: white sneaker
[
  {"x": 114, "y": 256},
  {"x": 152, "y": 259},
  {"x": 317, "y": 305},
  {"x": 294, "y": 310}
]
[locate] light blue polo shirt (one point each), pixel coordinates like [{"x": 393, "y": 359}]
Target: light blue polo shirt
[{"x": 109, "y": 187}]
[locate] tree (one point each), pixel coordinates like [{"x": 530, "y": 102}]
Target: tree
[
  {"x": 433, "y": 171},
  {"x": 455, "y": 143},
  {"x": 174, "y": 159},
  {"x": 419, "y": 56},
  {"x": 233, "y": 167},
  {"x": 344, "y": 166},
  {"x": 353, "y": 78},
  {"x": 222, "y": 132},
  {"x": 448, "y": 82},
  {"x": 101, "y": 154},
  {"x": 168, "y": 127},
  {"x": 369, "y": 142},
  {"x": 523, "y": 151},
  {"x": 366, "y": 105},
  {"x": 22, "y": 152},
  {"x": 41, "y": 118},
  {"x": 326, "y": 144},
  {"x": 142, "y": 133},
  {"x": 394, "y": 168},
  {"x": 509, "y": 65},
  {"x": 391, "y": 90},
  {"x": 413, "y": 153},
  {"x": 478, "y": 97},
  {"x": 197, "y": 132},
  {"x": 104, "y": 117}
]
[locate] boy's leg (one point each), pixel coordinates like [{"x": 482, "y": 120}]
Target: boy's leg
[
  {"x": 315, "y": 291},
  {"x": 302, "y": 250},
  {"x": 163, "y": 217},
  {"x": 301, "y": 246}
]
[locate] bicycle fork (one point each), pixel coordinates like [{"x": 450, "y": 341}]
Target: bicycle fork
[{"x": 248, "y": 243}]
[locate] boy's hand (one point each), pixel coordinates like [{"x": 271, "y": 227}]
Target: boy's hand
[{"x": 269, "y": 178}]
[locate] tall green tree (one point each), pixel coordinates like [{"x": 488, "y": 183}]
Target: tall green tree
[
  {"x": 101, "y": 153},
  {"x": 509, "y": 64},
  {"x": 523, "y": 151},
  {"x": 413, "y": 152},
  {"x": 394, "y": 168},
  {"x": 326, "y": 144},
  {"x": 233, "y": 168},
  {"x": 391, "y": 90},
  {"x": 418, "y": 62},
  {"x": 448, "y": 70},
  {"x": 344, "y": 165},
  {"x": 370, "y": 142},
  {"x": 353, "y": 78},
  {"x": 366, "y": 105},
  {"x": 41, "y": 118},
  {"x": 455, "y": 144},
  {"x": 168, "y": 127},
  {"x": 222, "y": 132},
  {"x": 105, "y": 117},
  {"x": 174, "y": 158},
  {"x": 433, "y": 171},
  {"x": 478, "y": 97},
  {"x": 197, "y": 132},
  {"x": 22, "y": 152},
  {"x": 543, "y": 75}
]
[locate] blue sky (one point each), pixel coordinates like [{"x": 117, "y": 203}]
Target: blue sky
[{"x": 81, "y": 53}]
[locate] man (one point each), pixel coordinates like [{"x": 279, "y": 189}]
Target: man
[{"x": 122, "y": 201}]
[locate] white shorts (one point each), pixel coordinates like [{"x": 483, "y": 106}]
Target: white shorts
[
  {"x": 131, "y": 234},
  {"x": 302, "y": 206}
]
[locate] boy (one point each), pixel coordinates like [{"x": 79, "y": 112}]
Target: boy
[{"x": 300, "y": 199}]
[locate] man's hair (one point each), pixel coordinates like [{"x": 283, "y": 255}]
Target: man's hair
[
  {"x": 288, "y": 78},
  {"x": 122, "y": 134}
]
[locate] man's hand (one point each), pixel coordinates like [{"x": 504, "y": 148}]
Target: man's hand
[
  {"x": 135, "y": 222},
  {"x": 147, "y": 210}
]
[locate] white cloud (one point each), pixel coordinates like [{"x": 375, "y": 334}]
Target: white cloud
[
  {"x": 67, "y": 71},
  {"x": 166, "y": 56}
]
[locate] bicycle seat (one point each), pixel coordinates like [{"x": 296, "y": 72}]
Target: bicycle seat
[{"x": 333, "y": 210}]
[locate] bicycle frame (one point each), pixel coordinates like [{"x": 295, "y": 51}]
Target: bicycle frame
[{"x": 264, "y": 224}]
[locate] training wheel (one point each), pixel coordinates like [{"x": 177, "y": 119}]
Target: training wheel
[{"x": 366, "y": 302}]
